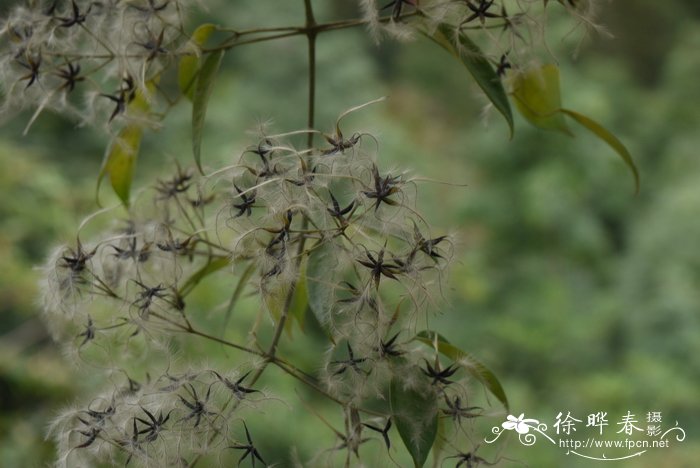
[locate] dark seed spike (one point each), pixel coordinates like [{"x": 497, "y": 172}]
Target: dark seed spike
[
  {"x": 186, "y": 403},
  {"x": 150, "y": 416},
  {"x": 336, "y": 206},
  {"x": 383, "y": 431},
  {"x": 439, "y": 376},
  {"x": 386, "y": 348},
  {"x": 91, "y": 435},
  {"x": 249, "y": 449},
  {"x": 247, "y": 433},
  {"x": 239, "y": 381}
]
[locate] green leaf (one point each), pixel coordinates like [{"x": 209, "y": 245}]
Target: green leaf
[
  {"x": 120, "y": 160},
  {"x": 212, "y": 266},
  {"x": 202, "y": 92},
  {"x": 439, "y": 445},
  {"x": 321, "y": 274},
  {"x": 275, "y": 297},
  {"x": 478, "y": 65},
  {"x": 608, "y": 138},
  {"x": 300, "y": 301},
  {"x": 415, "y": 412},
  {"x": 242, "y": 281},
  {"x": 469, "y": 362},
  {"x": 189, "y": 64},
  {"x": 538, "y": 97}
]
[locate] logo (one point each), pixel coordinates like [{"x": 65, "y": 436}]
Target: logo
[{"x": 598, "y": 439}]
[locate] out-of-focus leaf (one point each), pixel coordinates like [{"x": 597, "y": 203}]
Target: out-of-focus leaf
[
  {"x": 538, "y": 97},
  {"x": 200, "y": 101},
  {"x": 439, "y": 444},
  {"x": 212, "y": 266},
  {"x": 189, "y": 64},
  {"x": 320, "y": 273},
  {"x": 469, "y": 362},
  {"x": 300, "y": 301},
  {"x": 242, "y": 282},
  {"x": 276, "y": 297},
  {"x": 120, "y": 159},
  {"x": 414, "y": 407},
  {"x": 602, "y": 133},
  {"x": 478, "y": 65}
]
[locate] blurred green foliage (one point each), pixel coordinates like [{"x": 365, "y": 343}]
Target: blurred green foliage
[{"x": 581, "y": 296}]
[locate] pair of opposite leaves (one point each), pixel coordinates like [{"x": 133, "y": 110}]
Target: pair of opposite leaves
[
  {"x": 535, "y": 91},
  {"x": 538, "y": 98}
]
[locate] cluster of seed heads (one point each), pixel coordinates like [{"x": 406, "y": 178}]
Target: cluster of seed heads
[
  {"x": 89, "y": 59},
  {"x": 329, "y": 227},
  {"x": 328, "y": 217}
]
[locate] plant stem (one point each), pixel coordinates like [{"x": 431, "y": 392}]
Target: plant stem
[
  {"x": 311, "y": 39},
  {"x": 308, "y": 30},
  {"x": 311, "y": 33},
  {"x": 224, "y": 342},
  {"x": 288, "y": 31}
]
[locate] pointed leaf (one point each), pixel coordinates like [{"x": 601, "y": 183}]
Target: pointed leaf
[
  {"x": 478, "y": 65},
  {"x": 242, "y": 282},
  {"x": 469, "y": 362},
  {"x": 120, "y": 160},
  {"x": 189, "y": 64},
  {"x": 415, "y": 411},
  {"x": 439, "y": 445},
  {"x": 275, "y": 297},
  {"x": 300, "y": 301},
  {"x": 202, "y": 92},
  {"x": 602, "y": 133},
  {"x": 538, "y": 97},
  {"x": 321, "y": 280}
]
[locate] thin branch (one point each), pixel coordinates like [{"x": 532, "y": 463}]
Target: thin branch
[{"x": 310, "y": 32}]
